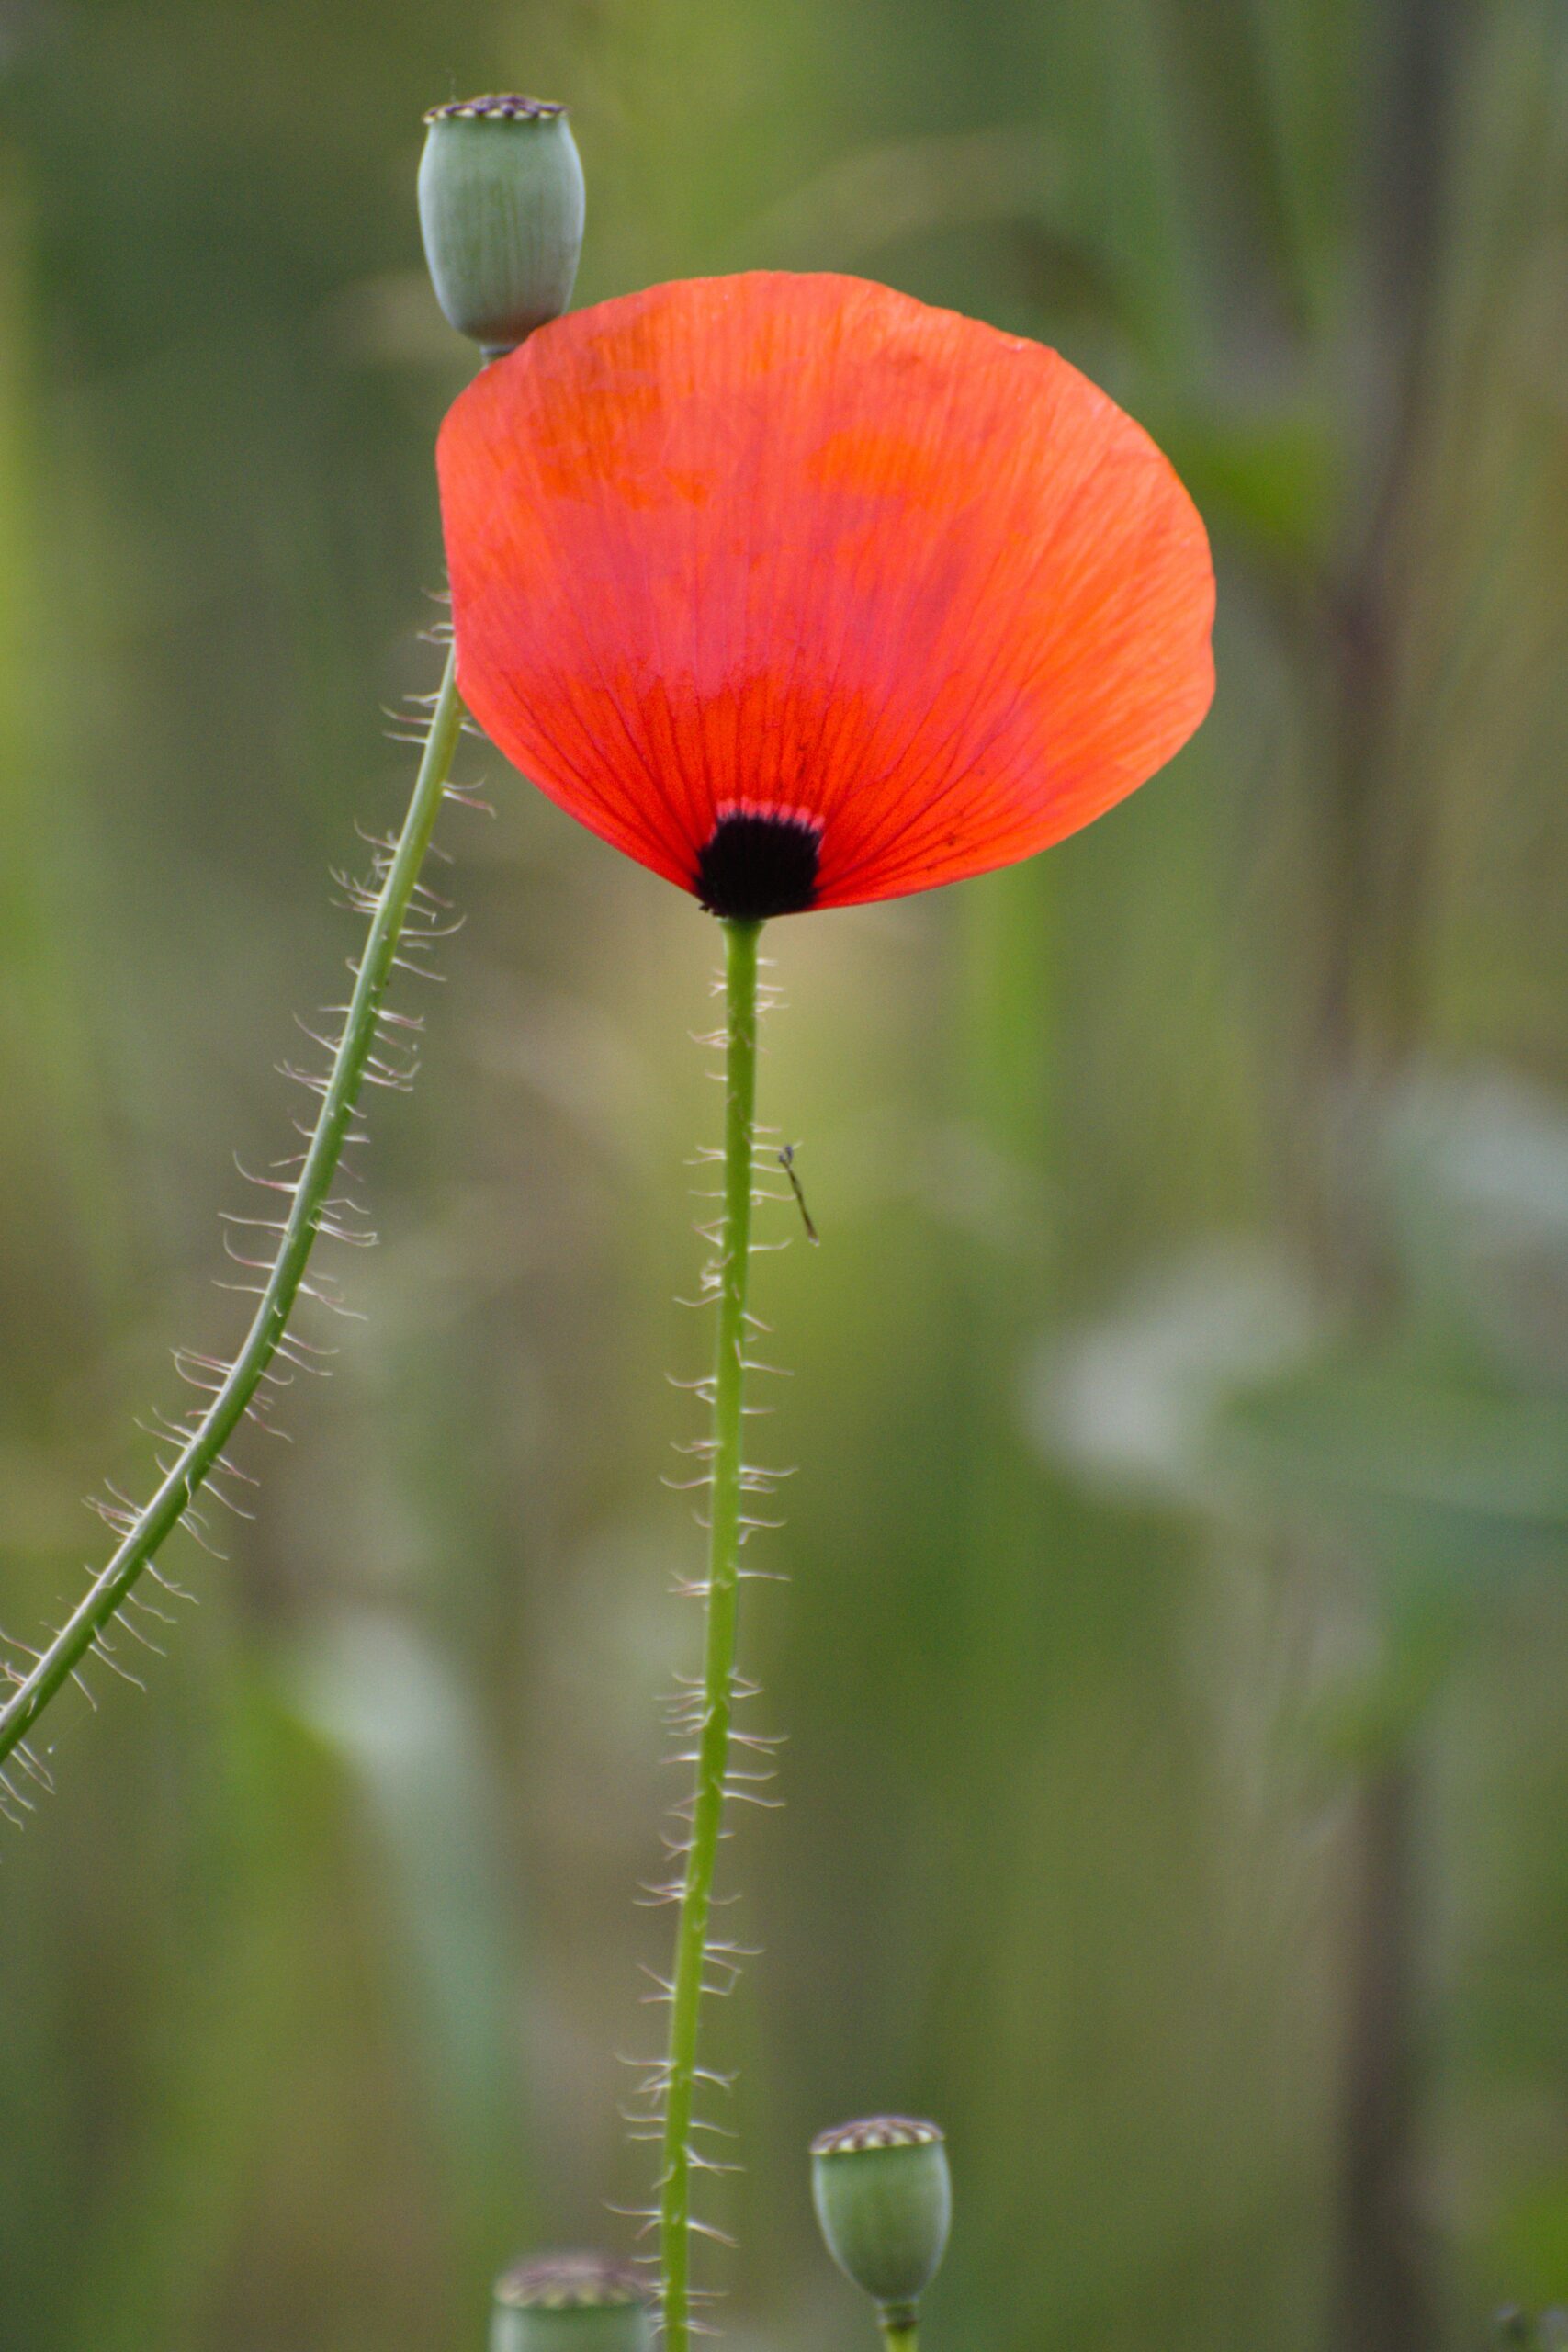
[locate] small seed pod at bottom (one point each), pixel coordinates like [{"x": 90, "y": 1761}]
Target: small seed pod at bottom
[
  {"x": 884, "y": 2198},
  {"x": 501, "y": 208},
  {"x": 570, "y": 2302}
]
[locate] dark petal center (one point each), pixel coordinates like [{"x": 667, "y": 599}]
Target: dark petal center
[{"x": 754, "y": 867}]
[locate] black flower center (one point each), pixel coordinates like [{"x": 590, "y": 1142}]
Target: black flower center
[{"x": 756, "y": 865}]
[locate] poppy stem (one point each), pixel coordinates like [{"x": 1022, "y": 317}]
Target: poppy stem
[
  {"x": 201, "y": 1452},
  {"x": 729, "y": 1275}
]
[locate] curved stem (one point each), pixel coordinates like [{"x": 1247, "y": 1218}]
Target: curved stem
[
  {"x": 202, "y": 1451},
  {"x": 718, "y": 1658}
]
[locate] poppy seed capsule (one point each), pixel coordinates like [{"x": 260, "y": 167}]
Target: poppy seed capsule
[
  {"x": 570, "y": 2302},
  {"x": 501, "y": 208},
  {"x": 885, "y": 2200}
]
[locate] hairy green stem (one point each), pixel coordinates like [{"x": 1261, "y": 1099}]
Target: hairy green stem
[
  {"x": 202, "y": 1451},
  {"x": 718, "y": 1657},
  {"x": 901, "y": 2331}
]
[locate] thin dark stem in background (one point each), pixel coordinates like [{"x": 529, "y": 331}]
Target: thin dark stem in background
[
  {"x": 1379, "y": 819},
  {"x": 1384, "y": 2295}
]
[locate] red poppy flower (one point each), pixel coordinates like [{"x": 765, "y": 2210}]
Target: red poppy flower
[{"x": 803, "y": 594}]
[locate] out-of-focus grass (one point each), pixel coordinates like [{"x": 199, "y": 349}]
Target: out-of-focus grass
[{"x": 311, "y": 2008}]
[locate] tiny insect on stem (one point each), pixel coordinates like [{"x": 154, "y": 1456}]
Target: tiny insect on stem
[{"x": 787, "y": 1161}]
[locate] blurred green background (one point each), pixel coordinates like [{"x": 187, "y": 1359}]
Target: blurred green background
[{"x": 1174, "y": 1652}]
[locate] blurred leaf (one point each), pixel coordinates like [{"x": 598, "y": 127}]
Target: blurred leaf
[
  {"x": 1427, "y": 1478},
  {"x": 1134, "y": 1401},
  {"x": 386, "y": 1704}
]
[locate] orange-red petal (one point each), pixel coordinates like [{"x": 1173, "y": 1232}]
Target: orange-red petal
[{"x": 802, "y": 547}]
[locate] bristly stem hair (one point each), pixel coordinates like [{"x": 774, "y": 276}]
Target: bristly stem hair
[
  {"x": 725, "y": 1530},
  {"x": 201, "y": 1450}
]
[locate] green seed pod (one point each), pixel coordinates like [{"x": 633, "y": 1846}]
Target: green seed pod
[
  {"x": 885, "y": 2200},
  {"x": 501, "y": 207},
  {"x": 570, "y": 2302}
]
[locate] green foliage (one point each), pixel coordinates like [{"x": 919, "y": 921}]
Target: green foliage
[{"x": 252, "y": 1950}]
